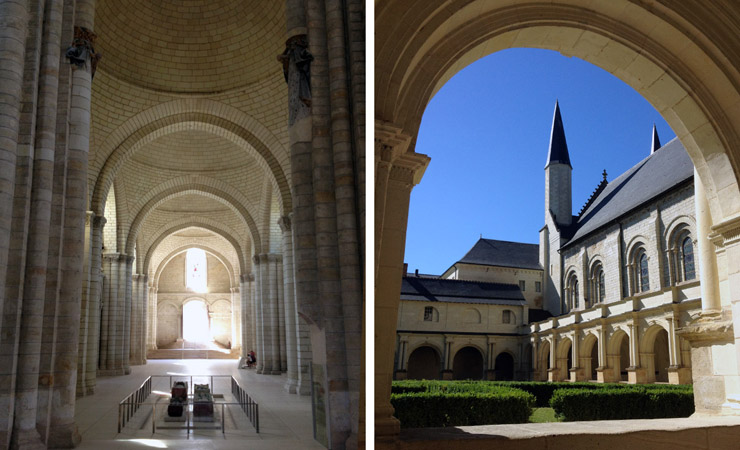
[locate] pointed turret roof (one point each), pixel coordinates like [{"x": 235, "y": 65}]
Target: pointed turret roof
[
  {"x": 656, "y": 141},
  {"x": 558, "y": 152}
]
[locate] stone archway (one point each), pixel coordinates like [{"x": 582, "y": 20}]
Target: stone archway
[
  {"x": 655, "y": 50},
  {"x": 424, "y": 364},
  {"x": 467, "y": 364},
  {"x": 504, "y": 366}
]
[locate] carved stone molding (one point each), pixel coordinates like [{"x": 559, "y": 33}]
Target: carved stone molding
[
  {"x": 726, "y": 232},
  {"x": 246, "y": 278},
  {"x": 409, "y": 168},
  {"x": 390, "y": 141},
  {"x": 708, "y": 328}
]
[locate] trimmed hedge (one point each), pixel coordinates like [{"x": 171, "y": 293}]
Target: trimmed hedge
[
  {"x": 633, "y": 402},
  {"x": 462, "y": 405},
  {"x": 541, "y": 390}
]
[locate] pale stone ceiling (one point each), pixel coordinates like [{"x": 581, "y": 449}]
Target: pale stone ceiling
[{"x": 189, "y": 122}]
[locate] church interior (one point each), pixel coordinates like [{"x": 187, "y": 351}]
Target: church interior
[{"x": 180, "y": 180}]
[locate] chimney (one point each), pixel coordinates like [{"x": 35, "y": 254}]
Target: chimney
[
  {"x": 405, "y": 268},
  {"x": 416, "y": 272}
]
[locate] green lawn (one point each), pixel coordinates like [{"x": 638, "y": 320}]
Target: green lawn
[{"x": 542, "y": 415}]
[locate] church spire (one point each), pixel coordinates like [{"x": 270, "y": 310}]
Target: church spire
[
  {"x": 558, "y": 152},
  {"x": 656, "y": 141}
]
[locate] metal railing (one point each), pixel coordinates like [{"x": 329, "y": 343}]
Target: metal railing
[
  {"x": 249, "y": 406},
  {"x": 131, "y": 404}
]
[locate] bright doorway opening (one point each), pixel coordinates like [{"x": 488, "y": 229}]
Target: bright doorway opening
[{"x": 195, "y": 324}]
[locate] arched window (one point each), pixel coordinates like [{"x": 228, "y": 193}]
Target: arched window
[
  {"x": 431, "y": 314},
  {"x": 687, "y": 253},
  {"x": 507, "y": 316},
  {"x": 571, "y": 292},
  {"x": 596, "y": 285},
  {"x": 643, "y": 272},
  {"x": 197, "y": 271}
]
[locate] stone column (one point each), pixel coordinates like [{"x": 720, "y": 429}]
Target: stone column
[
  {"x": 396, "y": 174},
  {"x": 236, "y": 323},
  {"x": 490, "y": 359},
  {"x": 259, "y": 287},
  {"x": 447, "y": 365},
  {"x": 271, "y": 315},
  {"x": 93, "y": 305},
  {"x": 636, "y": 374},
  {"x": 553, "y": 371},
  {"x": 246, "y": 282},
  {"x": 603, "y": 373},
  {"x": 114, "y": 339},
  {"x": 134, "y": 333},
  {"x": 291, "y": 319},
  {"x": 151, "y": 343},
  {"x": 710, "y": 296}
]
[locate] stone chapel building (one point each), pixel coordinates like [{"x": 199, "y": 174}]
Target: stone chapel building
[
  {"x": 133, "y": 133},
  {"x": 601, "y": 297}
]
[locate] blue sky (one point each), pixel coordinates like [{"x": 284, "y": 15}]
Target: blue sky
[{"x": 487, "y": 131}]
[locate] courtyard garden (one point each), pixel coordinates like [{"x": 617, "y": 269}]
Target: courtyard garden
[{"x": 435, "y": 403}]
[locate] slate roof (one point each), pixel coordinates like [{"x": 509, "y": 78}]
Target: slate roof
[
  {"x": 666, "y": 168},
  {"x": 538, "y": 315},
  {"x": 460, "y": 291},
  {"x": 492, "y": 252},
  {"x": 558, "y": 151}
]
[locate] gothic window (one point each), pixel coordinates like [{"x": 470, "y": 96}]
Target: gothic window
[
  {"x": 430, "y": 314},
  {"x": 687, "y": 248},
  {"x": 506, "y": 316},
  {"x": 196, "y": 276},
  {"x": 643, "y": 272}
]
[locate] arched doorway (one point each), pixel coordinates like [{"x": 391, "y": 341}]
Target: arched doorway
[
  {"x": 196, "y": 326},
  {"x": 660, "y": 356},
  {"x": 504, "y": 366},
  {"x": 424, "y": 364},
  {"x": 593, "y": 358},
  {"x": 623, "y": 357},
  {"x": 467, "y": 364}
]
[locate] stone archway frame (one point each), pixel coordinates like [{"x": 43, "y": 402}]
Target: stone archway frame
[
  {"x": 216, "y": 254},
  {"x": 437, "y": 351},
  {"x": 590, "y": 340},
  {"x": 463, "y": 346},
  {"x": 200, "y": 113},
  {"x": 613, "y": 350},
  {"x": 668, "y": 60},
  {"x": 647, "y": 346},
  {"x": 191, "y": 185},
  {"x": 206, "y": 224}
]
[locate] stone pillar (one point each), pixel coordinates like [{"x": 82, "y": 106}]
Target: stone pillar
[
  {"x": 714, "y": 367},
  {"x": 139, "y": 306},
  {"x": 447, "y": 365},
  {"x": 152, "y": 310},
  {"x": 259, "y": 340},
  {"x": 271, "y": 315},
  {"x": 603, "y": 373},
  {"x": 636, "y": 374},
  {"x": 491, "y": 359},
  {"x": 553, "y": 372},
  {"x": 246, "y": 282},
  {"x": 576, "y": 372},
  {"x": 396, "y": 174},
  {"x": 401, "y": 369},
  {"x": 291, "y": 319},
  {"x": 93, "y": 305},
  {"x": 114, "y": 347},
  {"x": 236, "y": 323}
]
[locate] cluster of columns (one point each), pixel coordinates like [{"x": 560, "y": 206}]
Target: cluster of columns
[
  {"x": 274, "y": 330},
  {"x": 45, "y": 122}
]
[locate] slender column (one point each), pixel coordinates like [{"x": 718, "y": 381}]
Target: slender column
[
  {"x": 134, "y": 329},
  {"x": 397, "y": 173},
  {"x": 272, "y": 313},
  {"x": 673, "y": 352},
  {"x": 63, "y": 431},
  {"x": 85, "y": 311},
  {"x": 246, "y": 282},
  {"x": 634, "y": 347},
  {"x": 291, "y": 336},
  {"x": 114, "y": 339},
  {"x": 236, "y": 312},
  {"x": 152, "y": 318},
  {"x": 260, "y": 270},
  {"x": 710, "y": 298},
  {"x": 93, "y": 302},
  {"x": 280, "y": 313},
  {"x": 127, "y": 288}
]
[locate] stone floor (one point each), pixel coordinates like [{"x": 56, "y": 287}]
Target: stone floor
[{"x": 285, "y": 419}]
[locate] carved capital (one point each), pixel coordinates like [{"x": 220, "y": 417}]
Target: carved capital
[
  {"x": 82, "y": 50},
  {"x": 390, "y": 142},
  {"x": 707, "y": 329},
  {"x": 409, "y": 168},
  {"x": 99, "y": 221},
  {"x": 89, "y": 216},
  {"x": 246, "y": 277},
  {"x": 284, "y": 223}
]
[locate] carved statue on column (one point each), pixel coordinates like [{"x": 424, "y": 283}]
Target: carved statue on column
[
  {"x": 82, "y": 49},
  {"x": 296, "y": 55}
]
